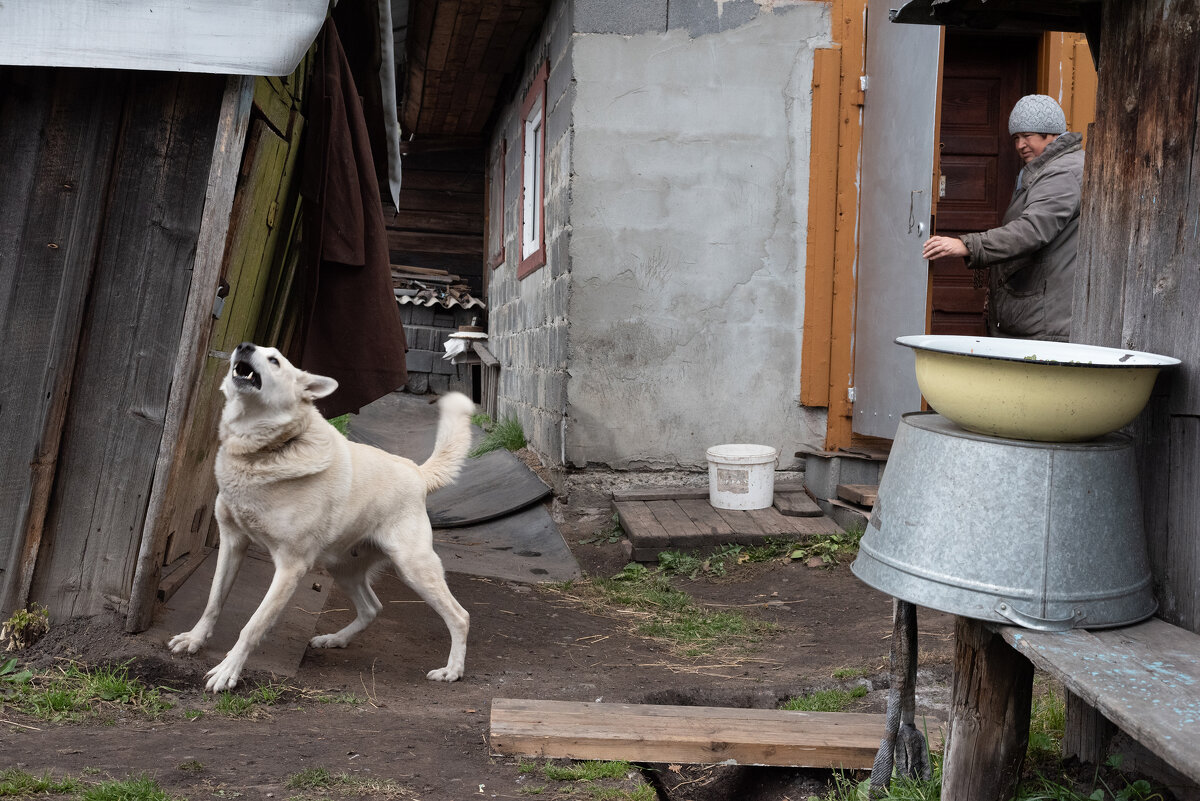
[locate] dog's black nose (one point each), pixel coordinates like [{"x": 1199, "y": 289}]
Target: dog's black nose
[{"x": 243, "y": 350}]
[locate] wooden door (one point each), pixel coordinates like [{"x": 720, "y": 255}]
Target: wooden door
[{"x": 982, "y": 77}]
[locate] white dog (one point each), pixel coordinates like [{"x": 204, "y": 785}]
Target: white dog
[{"x": 290, "y": 483}]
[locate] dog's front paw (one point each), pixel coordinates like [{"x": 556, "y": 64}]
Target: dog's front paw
[
  {"x": 328, "y": 641},
  {"x": 188, "y": 642},
  {"x": 445, "y": 674},
  {"x": 225, "y": 675}
]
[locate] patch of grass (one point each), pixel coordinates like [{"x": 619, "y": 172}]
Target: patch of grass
[
  {"x": 24, "y": 627},
  {"x": 18, "y": 783},
  {"x": 829, "y": 548},
  {"x": 237, "y": 706},
  {"x": 679, "y": 563},
  {"x": 342, "y": 424},
  {"x": 142, "y": 788},
  {"x": 192, "y": 766},
  {"x": 664, "y": 612},
  {"x": 1047, "y": 723},
  {"x": 824, "y": 700},
  {"x": 323, "y": 782},
  {"x": 845, "y": 673},
  {"x": 506, "y": 433},
  {"x": 79, "y": 691}
]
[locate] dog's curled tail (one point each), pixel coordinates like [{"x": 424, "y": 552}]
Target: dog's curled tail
[{"x": 453, "y": 441}]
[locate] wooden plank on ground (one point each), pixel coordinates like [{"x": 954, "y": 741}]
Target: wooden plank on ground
[
  {"x": 862, "y": 494},
  {"x": 772, "y": 522},
  {"x": 797, "y": 504},
  {"x": 701, "y": 512},
  {"x": 660, "y": 494},
  {"x": 635, "y": 517},
  {"x": 679, "y": 526},
  {"x": 692, "y": 735},
  {"x": 1144, "y": 678}
]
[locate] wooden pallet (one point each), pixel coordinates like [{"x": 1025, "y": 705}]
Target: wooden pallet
[
  {"x": 659, "y": 520},
  {"x": 689, "y": 734}
]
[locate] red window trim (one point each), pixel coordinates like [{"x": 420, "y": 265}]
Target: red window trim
[
  {"x": 538, "y": 257},
  {"x": 496, "y": 259}
]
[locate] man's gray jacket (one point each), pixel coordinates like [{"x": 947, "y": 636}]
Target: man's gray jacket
[{"x": 1032, "y": 253}]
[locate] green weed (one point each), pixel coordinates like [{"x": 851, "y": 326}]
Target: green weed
[
  {"x": 342, "y": 424},
  {"x": 24, "y": 627},
  {"x": 824, "y": 700},
  {"x": 18, "y": 783},
  {"x": 506, "y": 434},
  {"x": 322, "y": 781},
  {"x": 142, "y": 788},
  {"x": 606, "y": 781},
  {"x": 79, "y": 691},
  {"x": 664, "y": 612},
  {"x": 829, "y": 548}
]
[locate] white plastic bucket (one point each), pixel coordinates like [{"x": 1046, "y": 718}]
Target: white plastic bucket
[{"x": 741, "y": 476}]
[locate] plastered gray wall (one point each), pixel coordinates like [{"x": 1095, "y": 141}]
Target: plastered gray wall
[{"x": 669, "y": 315}]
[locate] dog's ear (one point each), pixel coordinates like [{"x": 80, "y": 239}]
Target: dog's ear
[{"x": 317, "y": 386}]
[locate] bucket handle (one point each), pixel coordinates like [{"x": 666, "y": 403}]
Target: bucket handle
[{"x": 1007, "y": 610}]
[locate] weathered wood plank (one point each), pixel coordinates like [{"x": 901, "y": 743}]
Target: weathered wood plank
[
  {"x": 862, "y": 494},
  {"x": 634, "y": 516},
  {"x": 1144, "y": 678},
  {"x": 694, "y": 735},
  {"x": 169, "y": 490},
  {"x": 701, "y": 512},
  {"x": 128, "y": 343},
  {"x": 680, "y": 528},
  {"x": 660, "y": 494},
  {"x": 797, "y": 504},
  {"x": 1136, "y": 286},
  {"x": 56, "y": 155}
]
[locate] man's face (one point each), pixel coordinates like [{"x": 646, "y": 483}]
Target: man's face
[{"x": 1030, "y": 145}]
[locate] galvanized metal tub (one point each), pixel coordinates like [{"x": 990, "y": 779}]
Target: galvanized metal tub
[{"x": 1041, "y": 534}]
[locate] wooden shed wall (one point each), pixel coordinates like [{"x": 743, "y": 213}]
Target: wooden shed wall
[
  {"x": 99, "y": 216},
  {"x": 1138, "y": 285}
]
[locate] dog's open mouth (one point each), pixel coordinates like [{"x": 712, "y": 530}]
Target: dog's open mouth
[{"x": 244, "y": 375}]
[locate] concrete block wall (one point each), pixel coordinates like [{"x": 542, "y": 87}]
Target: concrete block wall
[
  {"x": 668, "y": 317},
  {"x": 528, "y": 317}
]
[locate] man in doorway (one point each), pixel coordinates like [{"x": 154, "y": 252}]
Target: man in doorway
[{"x": 1030, "y": 258}]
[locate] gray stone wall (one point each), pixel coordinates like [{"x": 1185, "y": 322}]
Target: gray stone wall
[
  {"x": 528, "y": 317},
  {"x": 668, "y": 317}
]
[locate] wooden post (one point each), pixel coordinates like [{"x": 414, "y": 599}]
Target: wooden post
[
  {"x": 989, "y": 715},
  {"x": 1087, "y": 731}
]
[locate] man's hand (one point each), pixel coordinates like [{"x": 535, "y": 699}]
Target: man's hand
[{"x": 941, "y": 247}]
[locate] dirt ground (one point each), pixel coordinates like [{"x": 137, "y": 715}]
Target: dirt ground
[{"x": 431, "y": 739}]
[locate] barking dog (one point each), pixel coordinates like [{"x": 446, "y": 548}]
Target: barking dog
[{"x": 290, "y": 483}]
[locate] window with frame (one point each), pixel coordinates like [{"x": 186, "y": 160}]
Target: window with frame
[{"x": 533, "y": 175}]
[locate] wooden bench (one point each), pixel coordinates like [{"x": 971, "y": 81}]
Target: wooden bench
[{"x": 1144, "y": 679}]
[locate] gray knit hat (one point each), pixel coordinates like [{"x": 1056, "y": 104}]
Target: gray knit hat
[{"x": 1037, "y": 114}]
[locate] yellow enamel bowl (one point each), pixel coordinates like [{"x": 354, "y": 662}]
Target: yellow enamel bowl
[{"x": 1033, "y": 390}]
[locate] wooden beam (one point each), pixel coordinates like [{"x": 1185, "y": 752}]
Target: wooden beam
[
  {"x": 692, "y": 734},
  {"x": 193, "y": 351}
]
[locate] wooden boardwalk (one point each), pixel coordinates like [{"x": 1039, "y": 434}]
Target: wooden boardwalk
[{"x": 680, "y": 518}]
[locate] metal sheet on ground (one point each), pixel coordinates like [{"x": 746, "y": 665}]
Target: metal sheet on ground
[
  {"x": 491, "y": 486},
  {"x": 526, "y": 546}
]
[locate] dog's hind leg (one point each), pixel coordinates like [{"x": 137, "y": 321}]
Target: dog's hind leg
[
  {"x": 229, "y": 561},
  {"x": 422, "y": 570},
  {"x": 356, "y": 584},
  {"x": 288, "y": 572}
]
